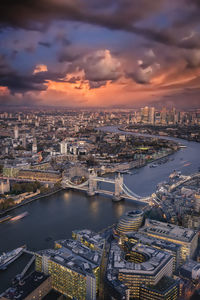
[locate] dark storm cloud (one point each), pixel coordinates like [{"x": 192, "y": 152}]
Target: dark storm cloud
[
  {"x": 17, "y": 82},
  {"x": 115, "y": 15},
  {"x": 68, "y": 55},
  {"x": 45, "y": 44},
  {"x": 184, "y": 99}
]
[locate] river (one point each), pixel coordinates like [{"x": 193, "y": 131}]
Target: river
[{"x": 56, "y": 216}]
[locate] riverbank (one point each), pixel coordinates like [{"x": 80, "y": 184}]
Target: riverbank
[
  {"x": 2, "y": 213},
  {"x": 165, "y": 134},
  {"x": 60, "y": 214},
  {"x": 138, "y": 164}
]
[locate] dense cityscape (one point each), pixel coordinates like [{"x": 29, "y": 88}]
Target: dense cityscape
[
  {"x": 151, "y": 252},
  {"x": 99, "y": 150}
]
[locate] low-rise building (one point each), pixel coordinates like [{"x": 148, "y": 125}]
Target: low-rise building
[{"x": 35, "y": 286}]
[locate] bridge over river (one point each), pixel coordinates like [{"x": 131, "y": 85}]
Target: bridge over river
[{"x": 121, "y": 191}]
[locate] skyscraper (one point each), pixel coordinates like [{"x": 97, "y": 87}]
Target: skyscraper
[
  {"x": 145, "y": 114},
  {"x": 16, "y": 132},
  {"x": 151, "y": 115},
  {"x": 34, "y": 146},
  {"x": 63, "y": 147}
]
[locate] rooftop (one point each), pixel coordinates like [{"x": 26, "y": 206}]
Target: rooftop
[
  {"x": 167, "y": 230},
  {"x": 154, "y": 242},
  {"x": 25, "y": 287},
  {"x": 91, "y": 237},
  {"x": 156, "y": 259},
  {"x": 75, "y": 256}
]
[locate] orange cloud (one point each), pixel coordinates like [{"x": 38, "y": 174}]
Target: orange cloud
[
  {"x": 40, "y": 68},
  {"x": 4, "y": 90}
]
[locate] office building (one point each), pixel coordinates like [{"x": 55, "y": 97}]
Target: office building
[
  {"x": 90, "y": 239},
  {"x": 166, "y": 289},
  {"x": 172, "y": 248},
  {"x": 131, "y": 221},
  {"x": 151, "y": 115},
  {"x": 34, "y": 145},
  {"x": 145, "y": 114},
  {"x": 63, "y": 147},
  {"x": 185, "y": 237},
  {"x": 74, "y": 269},
  {"x": 142, "y": 264},
  {"x": 190, "y": 270},
  {"x": 16, "y": 132}
]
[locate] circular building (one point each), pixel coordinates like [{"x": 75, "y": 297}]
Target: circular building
[{"x": 131, "y": 221}]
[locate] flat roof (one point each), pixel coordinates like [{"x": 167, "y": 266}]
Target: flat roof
[
  {"x": 156, "y": 259},
  {"x": 91, "y": 237},
  {"x": 149, "y": 240},
  {"x": 30, "y": 283},
  {"x": 75, "y": 256},
  {"x": 168, "y": 230}
]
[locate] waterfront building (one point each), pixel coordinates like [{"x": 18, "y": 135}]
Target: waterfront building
[
  {"x": 172, "y": 248},
  {"x": 90, "y": 239},
  {"x": 167, "y": 288},
  {"x": 130, "y": 221},
  {"x": 74, "y": 269},
  {"x": 4, "y": 186},
  {"x": 141, "y": 265},
  {"x": 185, "y": 237},
  {"x": 35, "y": 286},
  {"x": 40, "y": 175}
]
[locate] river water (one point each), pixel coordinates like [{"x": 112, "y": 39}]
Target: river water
[{"x": 56, "y": 216}]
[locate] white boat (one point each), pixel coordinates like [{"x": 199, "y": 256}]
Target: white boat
[
  {"x": 20, "y": 216},
  {"x": 9, "y": 257},
  {"x": 153, "y": 166}
]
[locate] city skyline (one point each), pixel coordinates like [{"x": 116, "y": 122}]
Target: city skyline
[{"x": 108, "y": 54}]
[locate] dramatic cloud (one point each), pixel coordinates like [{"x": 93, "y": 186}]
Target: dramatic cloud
[
  {"x": 40, "y": 68},
  {"x": 92, "y": 52},
  {"x": 101, "y": 66}
]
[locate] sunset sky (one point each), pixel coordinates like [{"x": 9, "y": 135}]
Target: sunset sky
[{"x": 100, "y": 53}]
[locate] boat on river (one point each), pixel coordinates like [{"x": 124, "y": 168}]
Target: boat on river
[
  {"x": 18, "y": 217},
  {"x": 153, "y": 166},
  {"x": 9, "y": 257}
]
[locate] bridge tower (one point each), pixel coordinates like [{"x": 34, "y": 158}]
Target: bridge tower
[
  {"x": 119, "y": 180},
  {"x": 92, "y": 183}
]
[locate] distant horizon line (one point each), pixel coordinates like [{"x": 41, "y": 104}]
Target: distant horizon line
[{"x": 29, "y": 107}]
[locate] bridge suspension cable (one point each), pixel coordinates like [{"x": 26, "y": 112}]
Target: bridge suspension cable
[
  {"x": 71, "y": 184},
  {"x": 129, "y": 192}
]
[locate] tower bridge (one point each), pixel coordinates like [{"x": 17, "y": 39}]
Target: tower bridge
[{"x": 121, "y": 191}]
